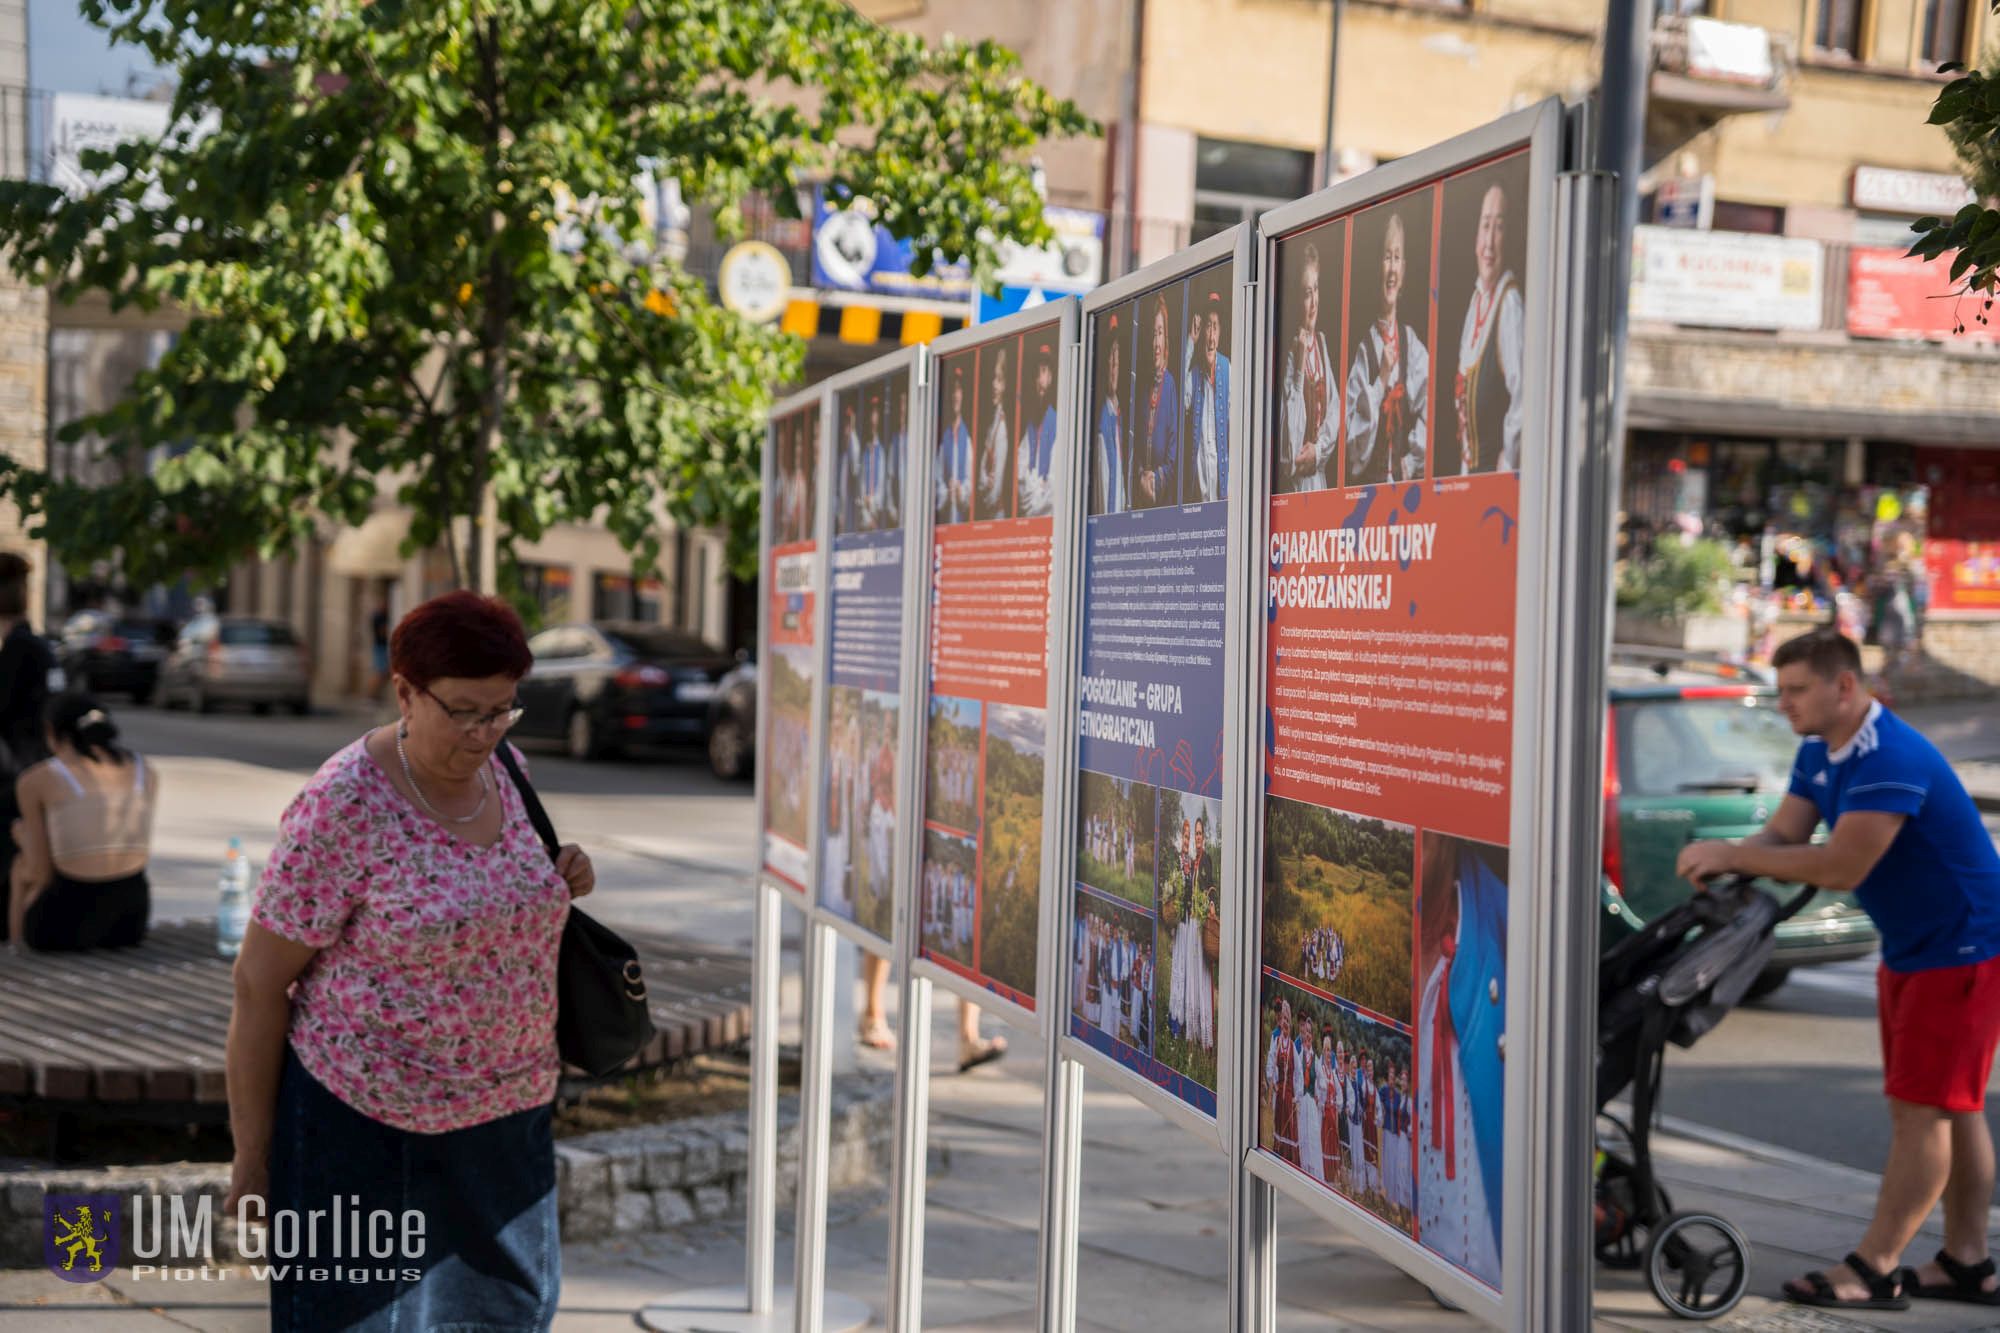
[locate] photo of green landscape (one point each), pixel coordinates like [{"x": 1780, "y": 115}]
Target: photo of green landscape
[
  {"x": 951, "y": 764},
  {"x": 1011, "y": 882},
  {"x": 1327, "y": 870},
  {"x": 1112, "y": 813},
  {"x": 788, "y": 734}
]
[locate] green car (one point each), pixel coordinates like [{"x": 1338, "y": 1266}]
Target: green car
[{"x": 1697, "y": 749}]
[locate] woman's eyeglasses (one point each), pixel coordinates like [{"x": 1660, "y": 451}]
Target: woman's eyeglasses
[{"x": 471, "y": 721}]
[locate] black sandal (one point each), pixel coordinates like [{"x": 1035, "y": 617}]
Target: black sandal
[
  {"x": 1967, "y": 1282},
  {"x": 1885, "y": 1290}
]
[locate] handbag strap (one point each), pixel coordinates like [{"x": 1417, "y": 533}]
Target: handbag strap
[{"x": 536, "y": 815}]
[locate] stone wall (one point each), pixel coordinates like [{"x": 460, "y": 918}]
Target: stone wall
[{"x": 649, "y": 1178}]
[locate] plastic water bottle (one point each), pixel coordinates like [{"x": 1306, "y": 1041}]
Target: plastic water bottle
[{"x": 233, "y": 911}]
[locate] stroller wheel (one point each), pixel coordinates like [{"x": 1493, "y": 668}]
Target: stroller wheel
[{"x": 1698, "y": 1265}]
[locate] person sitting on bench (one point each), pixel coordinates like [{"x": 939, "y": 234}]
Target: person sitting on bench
[{"x": 85, "y": 834}]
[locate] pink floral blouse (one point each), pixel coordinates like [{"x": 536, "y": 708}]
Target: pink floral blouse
[{"x": 431, "y": 1004}]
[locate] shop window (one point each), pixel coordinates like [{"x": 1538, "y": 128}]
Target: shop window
[
  {"x": 1945, "y": 32},
  {"x": 1235, "y": 181},
  {"x": 621, "y": 597},
  {"x": 547, "y": 588},
  {"x": 1839, "y": 30}
]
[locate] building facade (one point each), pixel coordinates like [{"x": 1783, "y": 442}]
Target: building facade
[
  {"x": 24, "y": 364},
  {"x": 1797, "y": 387}
]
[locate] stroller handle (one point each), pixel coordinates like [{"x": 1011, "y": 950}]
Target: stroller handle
[{"x": 1736, "y": 886}]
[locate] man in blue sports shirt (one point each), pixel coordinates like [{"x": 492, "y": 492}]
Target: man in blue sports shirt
[{"x": 1908, "y": 842}]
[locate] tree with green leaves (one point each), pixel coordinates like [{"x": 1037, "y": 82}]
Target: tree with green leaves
[
  {"x": 407, "y": 243},
  {"x": 1968, "y": 109}
]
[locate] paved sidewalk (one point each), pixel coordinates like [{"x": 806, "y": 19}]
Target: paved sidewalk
[{"x": 1154, "y": 1240}]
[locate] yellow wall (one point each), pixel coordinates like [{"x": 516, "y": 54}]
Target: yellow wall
[
  {"x": 1837, "y": 119},
  {"x": 1256, "y": 70}
]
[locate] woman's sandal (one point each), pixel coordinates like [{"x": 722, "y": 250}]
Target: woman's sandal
[
  {"x": 985, "y": 1053},
  {"x": 1967, "y": 1282},
  {"x": 876, "y": 1036},
  {"x": 1885, "y": 1290}
]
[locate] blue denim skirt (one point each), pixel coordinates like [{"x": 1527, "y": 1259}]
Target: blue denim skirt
[{"x": 491, "y": 1256}]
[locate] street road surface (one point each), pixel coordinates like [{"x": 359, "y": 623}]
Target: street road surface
[{"x": 675, "y": 847}]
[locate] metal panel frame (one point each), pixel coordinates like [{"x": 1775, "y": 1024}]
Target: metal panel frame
[
  {"x": 784, "y": 408},
  {"x": 1064, "y": 314},
  {"x": 1235, "y": 249},
  {"x": 908, "y": 360},
  {"x": 1539, "y": 129}
]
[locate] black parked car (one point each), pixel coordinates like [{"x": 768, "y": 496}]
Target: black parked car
[
  {"x": 612, "y": 683},
  {"x": 115, "y": 654},
  {"x": 732, "y": 722}
]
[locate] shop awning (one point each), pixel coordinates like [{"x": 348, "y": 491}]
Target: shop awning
[{"x": 1656, "y": 409}]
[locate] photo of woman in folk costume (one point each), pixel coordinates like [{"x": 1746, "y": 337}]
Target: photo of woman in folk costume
[
  {"x": 995, "y": 498},
  {"x": 1279, "y": 1085},
  {"x": 1309, "y": 408},
  {"x": 1481, "y": 258},
  {"x": 1191, "y": 994},
  {"x": 1157, "y": 480},
  {"x": 1388, "y": 381},
  {"x": 1460, "y": 1057},
  {"x": 1311, "y": 1098},
  {"x": 1331, "y": 1110}
]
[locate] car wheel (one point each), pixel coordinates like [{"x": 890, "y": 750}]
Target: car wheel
[
  {"x": 1767, "y": 983},
  {"x": 580, "y": 738},
  {"x": 142, "y": 697},
  {"x": 728, "y": 750},
  {"x": 300, "y": 707},
  {"x": 261, "y": 709},
  {"x": 200, "y": 700}
]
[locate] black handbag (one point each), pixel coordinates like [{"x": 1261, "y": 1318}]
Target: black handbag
[{"x": 602, "y": 1019}]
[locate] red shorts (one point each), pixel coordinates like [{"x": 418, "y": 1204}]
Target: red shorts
[{"x": 1939, "y": 1031}]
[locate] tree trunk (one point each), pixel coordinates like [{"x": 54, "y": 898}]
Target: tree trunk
[{"x": 482, "y": 537}]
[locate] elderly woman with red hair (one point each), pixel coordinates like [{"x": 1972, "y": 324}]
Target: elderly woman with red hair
[{"x": 392, "y": 1044}]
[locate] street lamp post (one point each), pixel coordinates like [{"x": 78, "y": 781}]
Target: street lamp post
[{"x": 1328, "y": 166}]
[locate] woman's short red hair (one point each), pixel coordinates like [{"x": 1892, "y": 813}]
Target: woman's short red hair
[{"x": 459, "y": 635}]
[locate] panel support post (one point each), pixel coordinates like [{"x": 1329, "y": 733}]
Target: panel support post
[
  {"x": 760, "y": 1221},
  {"x": 815, "y": 1103},
  {"x": 1062, "y": 1165},
  {"x": 907, "y": 1175}
]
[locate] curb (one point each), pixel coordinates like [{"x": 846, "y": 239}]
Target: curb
[{"x": 613, "y": 1183}]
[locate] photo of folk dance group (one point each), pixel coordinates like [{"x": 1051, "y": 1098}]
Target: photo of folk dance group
[
  {"x": 1145, "y": 952},
  {"x": 1159, "y": 396},
  {"x": 873, "y": 423},
  {"x": 794, "y": 476},
  {"x": 1382, "y": 1031},
  {"x": 996, "y": 429},
  {"x": 1402, "y": 328}
]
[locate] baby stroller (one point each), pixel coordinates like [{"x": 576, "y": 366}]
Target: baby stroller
[{"x": 1673, "y": 981}]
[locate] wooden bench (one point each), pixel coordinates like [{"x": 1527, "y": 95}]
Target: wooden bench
[{"x": 138, "y": 1034}]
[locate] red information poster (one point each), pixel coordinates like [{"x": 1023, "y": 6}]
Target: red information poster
[
  {"x": 1891, "y": 294},
  {"x": 1396, "y": 407},
  {"x": 985, "y": 754},
  {"x": 789, "y": 589}
]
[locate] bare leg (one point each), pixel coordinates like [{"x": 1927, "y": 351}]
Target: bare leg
[
  {"x": 875, "y": 1032},
  {"x": 1967, "y": 1193},
  {"x": 1920, "y": 1149}
]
